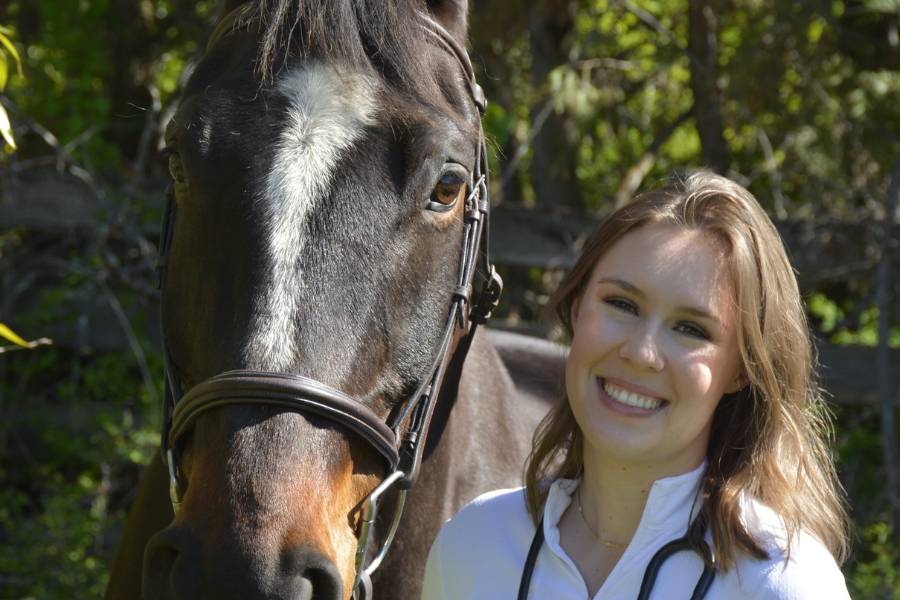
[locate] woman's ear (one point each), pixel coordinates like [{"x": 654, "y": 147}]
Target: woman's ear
[{"x": 739, "y": 382}]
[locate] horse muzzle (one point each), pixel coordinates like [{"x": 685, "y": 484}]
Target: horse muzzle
[{"x": 178, "y": 567}]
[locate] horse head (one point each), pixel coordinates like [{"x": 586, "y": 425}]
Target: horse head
[{"x": 327, "y": 194}]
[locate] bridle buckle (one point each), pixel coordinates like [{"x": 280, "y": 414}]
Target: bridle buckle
[{"x": 489, "y": 299}]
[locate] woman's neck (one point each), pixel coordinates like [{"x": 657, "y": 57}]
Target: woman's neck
[{"x": 613, "y": 495}]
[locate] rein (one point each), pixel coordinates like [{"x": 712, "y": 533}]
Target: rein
[{"x": 402, "y": 441}]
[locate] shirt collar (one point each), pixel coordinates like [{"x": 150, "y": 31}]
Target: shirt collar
[{"x": 672, "y": 503}]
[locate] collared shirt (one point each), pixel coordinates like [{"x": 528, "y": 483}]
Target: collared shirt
[{"x": 481, "y": 551}]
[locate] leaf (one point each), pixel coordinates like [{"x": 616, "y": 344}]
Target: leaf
[
  {"x": 6, "y": 128},
  {"x": 12, "y": 336},
  {"x": 9, "y": 334},
  {"x": 15, "y": 53},
  {"x": 4, "y": 70}
]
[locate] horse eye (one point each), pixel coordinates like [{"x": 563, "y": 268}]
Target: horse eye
[
  {"x": 176, "y": 169},
  {"x": 448, "y": 190}
]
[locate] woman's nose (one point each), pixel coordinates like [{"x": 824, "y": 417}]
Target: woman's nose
[{"x": 641, "y": 349}]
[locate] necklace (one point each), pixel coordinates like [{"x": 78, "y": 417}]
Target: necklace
[{"x": 599, "y": 539}]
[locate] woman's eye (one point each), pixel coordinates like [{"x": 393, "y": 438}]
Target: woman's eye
[
  {"x": 693, "y": 330},
  {"x": 448, "y": 190},
  {"x": 622, "y": 304}
]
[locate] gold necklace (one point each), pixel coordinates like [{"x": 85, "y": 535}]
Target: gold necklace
[{"x": 599, "y": 539}]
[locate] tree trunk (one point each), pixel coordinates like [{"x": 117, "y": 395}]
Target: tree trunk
[
  {"x": 886, "y": 388},
  {"x": 555, "y": 145},
  {"x": 703, "y": 50}
]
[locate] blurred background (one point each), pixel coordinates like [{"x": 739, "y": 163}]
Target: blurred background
[{"x": 590, "y": 101}]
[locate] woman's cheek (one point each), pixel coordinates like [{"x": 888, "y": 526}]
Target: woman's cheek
[{"x": 703, "y": 378}]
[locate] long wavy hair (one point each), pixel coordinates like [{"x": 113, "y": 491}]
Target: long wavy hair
[{"x": 768, "y": 440}]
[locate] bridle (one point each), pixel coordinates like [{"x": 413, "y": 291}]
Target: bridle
[{"x": 402, "y": 441}]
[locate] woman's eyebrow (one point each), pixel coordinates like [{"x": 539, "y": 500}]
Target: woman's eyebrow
[{"x": 625, "y": 285}]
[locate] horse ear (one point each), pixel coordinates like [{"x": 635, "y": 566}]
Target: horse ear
[
  {"x": 224, "y": 7},
  {"x": 452, "y": 15}
]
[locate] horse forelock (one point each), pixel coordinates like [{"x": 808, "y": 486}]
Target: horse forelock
[{"x": 383, "y": 37}]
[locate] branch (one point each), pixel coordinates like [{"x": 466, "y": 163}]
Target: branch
[
  {"x": 522, "y": 150},
  {"x": 51, "y": 140},
  {"x": 654, "y": 24},
  {"x": 606, "y": 63},
  {"x": 66, "y": 162},
  {"x": 132, "y": 338},
  {"x": 123, "y": 322},
  {"x": 635, "y": 175},
  {"x": 770, "y": 165}
]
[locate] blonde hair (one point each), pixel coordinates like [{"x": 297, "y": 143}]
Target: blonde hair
[{"x": 768, "y": 440}]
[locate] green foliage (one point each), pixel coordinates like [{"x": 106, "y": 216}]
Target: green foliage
[
  {"x": 68, "y": 91},
  {"x": 77, "y": 426},
  {"x": 60, "y": 543},
  {"x": 876, "y": 576},
  {"x": 82, "y": 442},
  {"x": 93, "y": 90},
  {"x": 831, "y": 320},
  {"x": 873, "y": 570},
  {"x": 810, "y": 103}
]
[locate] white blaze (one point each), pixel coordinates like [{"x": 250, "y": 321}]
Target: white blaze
[{"x": 327, "y": 113}]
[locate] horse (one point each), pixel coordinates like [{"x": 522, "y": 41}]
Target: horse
[{"x": 325, "y": 228}]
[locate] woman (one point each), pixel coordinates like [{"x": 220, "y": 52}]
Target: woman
[{"x": 691, "y": 411}]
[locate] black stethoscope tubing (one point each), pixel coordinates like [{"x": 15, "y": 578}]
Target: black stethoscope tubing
[{"x": 650, "y": 574}]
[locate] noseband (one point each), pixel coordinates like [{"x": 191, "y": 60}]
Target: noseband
[{"x": 402, "y": 441}]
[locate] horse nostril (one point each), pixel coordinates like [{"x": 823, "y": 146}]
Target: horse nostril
[
  {"x": 170, "y": 567},
  {"x": 317, "y": 578},
  {"x": 178, "y": 566}
]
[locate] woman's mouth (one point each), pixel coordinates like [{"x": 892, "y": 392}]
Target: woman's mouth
[{"x": 623, "y": 396}]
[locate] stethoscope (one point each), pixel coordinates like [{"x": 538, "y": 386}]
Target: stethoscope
[{"x": 650, "y": 575}]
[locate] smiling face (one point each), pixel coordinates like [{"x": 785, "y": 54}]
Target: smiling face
[{"x": 654, "y": 348}]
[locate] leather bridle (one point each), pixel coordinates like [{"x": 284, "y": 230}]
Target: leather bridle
[{"x": 402, "y": 441}]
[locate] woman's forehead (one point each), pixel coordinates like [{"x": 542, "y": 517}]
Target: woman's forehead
[{"x": 687, "y": 265}]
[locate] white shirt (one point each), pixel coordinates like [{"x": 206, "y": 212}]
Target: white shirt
[{"x": 481, "y": 551}]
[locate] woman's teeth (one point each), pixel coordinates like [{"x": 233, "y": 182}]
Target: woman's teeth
[{"x": 630, "y": 398}]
